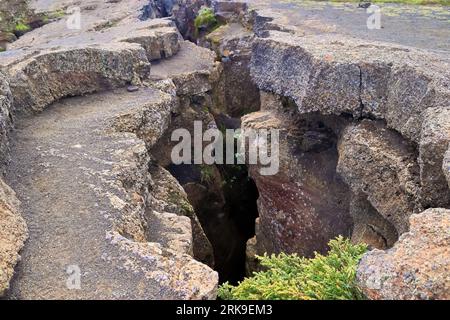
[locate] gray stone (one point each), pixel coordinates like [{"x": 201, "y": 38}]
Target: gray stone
[
  {"x": 305, "y": 204},
  {"x": 236, "y": 93},
  {"x": 96, "y": 183},
  {"x": 167, "y": 195},
  {"x": 417, "y": 267},
  {"x": 434, "y": 142},
  {"x": 338, "y": 75},
  {"x": 192, "y": 70},
  {"x": 380, "y": 164},
  {"x": 13, "y": 233},
  {"x": 5, "y": 118}
]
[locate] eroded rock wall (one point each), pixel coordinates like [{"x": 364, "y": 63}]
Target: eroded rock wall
[
  {"x": 388, "y": 146},
  {"x": 13, "y": 233},
  {"x": 294, "y": 215},
  {"x": 152, "y": 233}
]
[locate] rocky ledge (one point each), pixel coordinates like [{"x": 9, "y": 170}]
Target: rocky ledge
[
  {"x": 94, "y": 201},
  {"x": 364, "y": 140},
  {"x": 364, "y": 151}
]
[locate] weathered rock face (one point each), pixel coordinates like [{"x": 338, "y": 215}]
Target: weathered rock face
[
  {"x": 13, "y": 233},
  {"x": 294, "y": 214},
  {"x": 394, "y": 162},
  {"x": 93, "y": 61},
  {"x": 369, "y": 226},
  {"x": 184, "y": 13},
  {"x": 417, "y": 267},
  {"x": 194, "y": 73},
  {"x": 5, "y": 118},
  {"x": 136, "y": 241},
  {"x": 141, "y": 251},
  {"x": 378, "y": 163},
  {"x": 338, "y": 75},
  {"x": 236, "y": 93},
  {"x": 434, "y": 142},
  {"x": 168, "y": 196},
  {"x": 446, "y": 166}
]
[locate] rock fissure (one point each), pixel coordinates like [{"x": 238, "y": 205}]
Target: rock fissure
[{"x": 364, "y": 148}]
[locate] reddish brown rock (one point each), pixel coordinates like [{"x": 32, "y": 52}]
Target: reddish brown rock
[{"x": 305, "y": 204}]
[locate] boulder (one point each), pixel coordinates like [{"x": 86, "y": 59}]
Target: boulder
[
  {"x": 380, "y": 164},
  {"x": 417, "y": 267}
]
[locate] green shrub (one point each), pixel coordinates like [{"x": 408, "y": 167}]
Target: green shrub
[
  {"x": 290, "y": 277},
  {"x": 205, "y": 18},
  {"x": 22, "y": 27}
]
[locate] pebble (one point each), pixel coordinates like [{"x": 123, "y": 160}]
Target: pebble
[{"x": 132, "y": 88}]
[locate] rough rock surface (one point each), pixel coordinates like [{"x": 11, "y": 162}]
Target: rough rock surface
[
  {"x": 89, "y": 188},
  {"x": 417, "y": 267},
  {"x": 237, "y": 94},
  {"x": 338, "y": 75},
  {"x": 424, "y": 26},
  {"x": 184, "y": 13},
  {"x": 5, "y": 118},
  {"x": 140, "y": 233},
  {"x": 369, "y": 226},
  {"x": 82, "y": 63},
  {"x": 194, "y": 72},
  {"x": 446, "y": 166},
  {"x": 393, "y": 161},
  {"x": 167, "y": 195},
  {"x": 434, "y": 142},
  {"x": 293, "y": 214},
  {"x": 93, "y": 187},
  {"x": 377, "y": 162},
  {"x": 13, "y": 233}
]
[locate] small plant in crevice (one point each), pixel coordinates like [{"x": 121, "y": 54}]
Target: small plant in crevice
[
  {"x": 207, "y": 174},
  {"x": 21, "y": 28},
  {"x": 205, "y": 19},
  {"x": 290, "y": 277}
]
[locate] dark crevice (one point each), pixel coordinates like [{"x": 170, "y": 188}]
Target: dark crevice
[
  {"x": 361, "y": 103},
  {"x": 156, "y": 9},
  {"x": 224, "y": 199}
]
